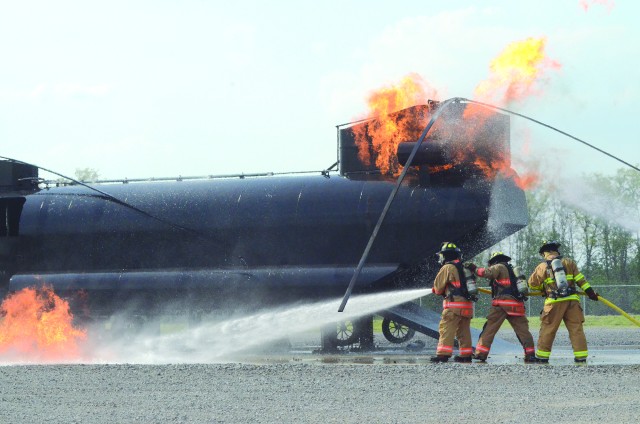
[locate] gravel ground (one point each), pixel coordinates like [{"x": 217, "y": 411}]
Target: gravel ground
[{"x": 350, "y": 388}]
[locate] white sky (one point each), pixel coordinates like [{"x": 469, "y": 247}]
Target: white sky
[{"x": 143, "y": 88}]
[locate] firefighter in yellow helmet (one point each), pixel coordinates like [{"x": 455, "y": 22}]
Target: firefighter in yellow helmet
[
  {"x": 557, "y": 278},
  {"x": 457, "y": 305},
  {"x": 508, "y": 296}
]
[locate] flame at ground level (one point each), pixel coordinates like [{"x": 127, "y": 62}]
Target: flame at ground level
[{"x": 37, "y": 325}]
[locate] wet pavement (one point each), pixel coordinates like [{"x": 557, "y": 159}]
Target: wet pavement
[
  {"x": 291, "y": 383},
  {"x": 607, "y": 346}
]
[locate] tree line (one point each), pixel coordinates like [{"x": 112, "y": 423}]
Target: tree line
[{"x": 600, "y": 230}]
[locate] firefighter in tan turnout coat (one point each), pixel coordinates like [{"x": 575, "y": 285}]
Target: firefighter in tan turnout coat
[
  {"x": 508, "y": 303},
  {"x": 557, "y": 278},
  {"x": 457, "y": 306}
]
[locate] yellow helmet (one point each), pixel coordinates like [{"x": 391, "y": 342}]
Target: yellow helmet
[
  {"x": 448, "y": 252},
  {"x": 447, "y": 246}
]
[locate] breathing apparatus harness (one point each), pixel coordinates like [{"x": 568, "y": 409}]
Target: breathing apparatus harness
[
  {"x": 512, "y": 290},
  {"x": 556, "y": 271},
  {"x": 463, "y": 290}
]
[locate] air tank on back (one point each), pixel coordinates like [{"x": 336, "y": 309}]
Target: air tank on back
[
  {"x": 561, "y": 277},
  {"x": 472, "y": 287},
  {"x": 521, "y": 281}
]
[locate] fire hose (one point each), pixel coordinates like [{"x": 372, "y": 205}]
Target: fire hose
[{"x": 600, "y": 299}]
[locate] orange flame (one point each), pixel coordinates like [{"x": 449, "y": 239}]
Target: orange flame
[
  {"x": 525, "y": 181},
  {"x": 386, "y": 132},
  {"x": 37, "y": 325},
  {"x": 515, "y": 72}
]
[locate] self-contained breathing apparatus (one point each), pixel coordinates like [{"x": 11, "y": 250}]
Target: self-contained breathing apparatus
[
  {"x": 556, "y": 271},
  {"x": 468, "y": 287},
  {"x": 469, "y": 282},
  {"x": 521, "y": 282},
  {"x": 450, "y": 254},
  {"x": 519, "y": 288}
]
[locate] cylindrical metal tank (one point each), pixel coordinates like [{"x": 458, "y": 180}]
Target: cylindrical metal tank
[{"x": 289, "y": 237}]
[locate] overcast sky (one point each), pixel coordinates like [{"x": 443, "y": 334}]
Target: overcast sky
[{"x": 166, "y": 88}]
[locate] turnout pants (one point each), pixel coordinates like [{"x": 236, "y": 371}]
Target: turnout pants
[
  {"x": 453, "y": 325},
  {"x": 552, "y": 315},
  {"x": 497, "y": 315}
]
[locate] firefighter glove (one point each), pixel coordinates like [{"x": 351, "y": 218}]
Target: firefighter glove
[
  {"x": 591, "y": 293},
  {"x": 471, "y": 266}
]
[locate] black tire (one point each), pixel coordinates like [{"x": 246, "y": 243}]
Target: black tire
[
  {"x": 345, "y": 333},
  {"x": 396, "y": 332}
]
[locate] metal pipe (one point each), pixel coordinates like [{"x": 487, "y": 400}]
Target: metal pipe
[{"x": 365, "y": 254}]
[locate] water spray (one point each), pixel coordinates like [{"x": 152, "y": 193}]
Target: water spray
[
  {"x": 415, "y": 149},
  {"x": 223, "y": 341}
]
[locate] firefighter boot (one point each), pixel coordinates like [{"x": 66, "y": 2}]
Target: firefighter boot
[
  {"x": 439, "y": 358},
  {"x": 462, "y": 358},
  {"x": 580, "y": 360},
  {"x": 531, "y": 359},
  {"x": 479, "y": 357}
]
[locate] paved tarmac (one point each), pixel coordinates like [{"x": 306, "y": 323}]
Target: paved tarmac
[{"x": 391, "y": 385}]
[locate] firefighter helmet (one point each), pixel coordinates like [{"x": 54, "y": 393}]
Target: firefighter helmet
[
  {"x": 498, "y": 257},
  {"x": 449, "y": 247},
  {"x": 448, "y": 252},
  {"x": 548, "y": 246}
]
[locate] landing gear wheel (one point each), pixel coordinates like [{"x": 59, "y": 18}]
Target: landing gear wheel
[
  {"x": 396, "y": 332},
  {"x": 345, "y": 333}
]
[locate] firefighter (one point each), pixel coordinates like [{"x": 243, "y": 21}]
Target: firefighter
[
  {"x": 557, "y": 278},
  {"x": 457, "y": 305},
  {"x": 508, "y": 296}
]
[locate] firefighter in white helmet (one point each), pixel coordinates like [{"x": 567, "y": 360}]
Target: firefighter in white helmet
[
  {"x": 557, "y": 278},
  {"x": 457, "y": 305},
  {"x": 508, "y": 294}
]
